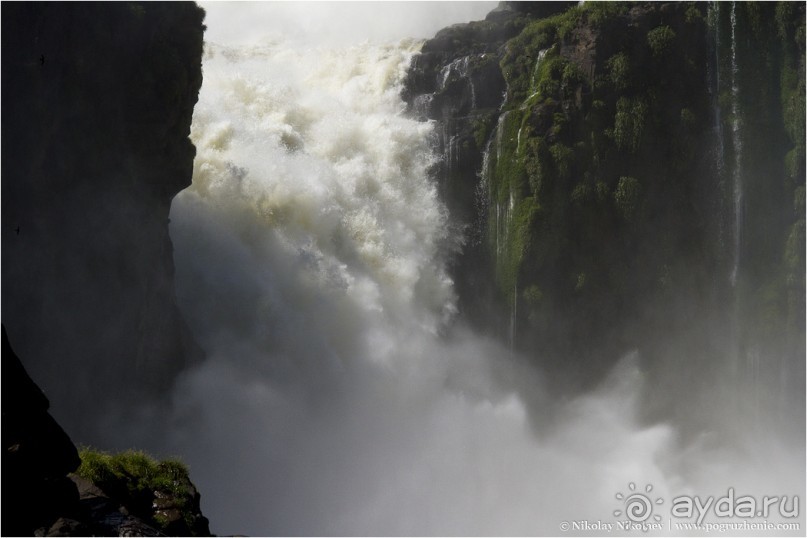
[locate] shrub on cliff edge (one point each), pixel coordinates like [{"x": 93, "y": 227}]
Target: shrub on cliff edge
[{"x": 158, "y": 491}]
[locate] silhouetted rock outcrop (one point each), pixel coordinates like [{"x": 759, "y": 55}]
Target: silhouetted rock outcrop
[
  {"x": 42, "y": 496},
  {"x": 37, "y": 455},
  {"x": 97, "y": 105}
]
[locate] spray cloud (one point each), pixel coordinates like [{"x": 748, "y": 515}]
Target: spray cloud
[{"x": 338, "y": 396}]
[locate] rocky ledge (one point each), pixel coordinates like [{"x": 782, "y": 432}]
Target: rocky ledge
[{"x": 49, "y": 488}]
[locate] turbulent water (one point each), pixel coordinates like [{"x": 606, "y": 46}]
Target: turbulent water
[{"x": 339, "y": 395}]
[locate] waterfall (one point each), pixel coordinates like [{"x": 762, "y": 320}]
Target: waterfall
[
  {"x": 514, "y": 318},
  {"x": 309, "y": 265},
  {"x": 458, "y": 70},
  {"x": 753, "y": 368},
  {"x": 482, "y": 197},
  {"x": 501, "y": 214},
  {"x": 340, "y": 394},
  {"x": 315, "y": 166},
  {"x": 730, "y": 173},
  {"x": 538, "y": 61},
  {"x": 505, "y": 212},
  {"x": 737, "y": 143},
  {"x": 450, "y": 153},
  {"x": 713, "y": 80}
]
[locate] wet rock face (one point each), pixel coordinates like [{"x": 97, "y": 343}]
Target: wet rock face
[
  {"x": 108, "y": 515},
  {"x": 117, "y": 487},
  {"x": 180, "y": 515},
  {"x": 457, "y": 72},
  {"x": 457, "y": 81},
  {"x": 547, "y": 115},
  {"x": 589, "y": 156},
  {"x": 97, "y": 101}
]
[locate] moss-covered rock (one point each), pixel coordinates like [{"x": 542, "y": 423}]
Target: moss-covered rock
[
  {"x": 615, "y": 183},
  {"x": 159, "y": 492},
  {"x": 585, "y": 117},
  {"x": 608, "y": 180},
  {"x": 457, "y": 81}
]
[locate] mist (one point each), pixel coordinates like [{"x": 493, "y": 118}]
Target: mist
[
  {"x": 334, "y": 23},
  {"x": 340, "y": 394}
]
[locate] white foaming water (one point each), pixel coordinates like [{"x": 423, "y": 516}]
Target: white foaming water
[{"x": 336, "y": 397}]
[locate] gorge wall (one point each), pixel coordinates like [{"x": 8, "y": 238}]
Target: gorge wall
[
  {"x": 630, "y": 177},
  {"x": 51, "y": 489},
  {"x": 97, "y": 105}
]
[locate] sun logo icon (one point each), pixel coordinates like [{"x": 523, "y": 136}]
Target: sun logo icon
[{"x": 638, "y": 506}]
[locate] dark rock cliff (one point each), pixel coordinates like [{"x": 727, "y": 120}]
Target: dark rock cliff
[
  {"x": 41, "y": 496},
  {"x": 637, "y": 185},
  {"x": 37, "y": 455},
  {"x": 457, "y": 81},
  {"x": 97, "y": 103}
]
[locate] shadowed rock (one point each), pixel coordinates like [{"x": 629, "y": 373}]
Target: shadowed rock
[
  {"x": 95, "y": 147},
  {"x": 37, "y": 454}
]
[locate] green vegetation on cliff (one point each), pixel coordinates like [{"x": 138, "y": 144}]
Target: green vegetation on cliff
[
  {"x": 791, "y": 31},
  {"x": 643, "y": 189},
  {"x": 594, "y": 157},
  {"x": 160, "y": 492},
  {"x": 637, "y": 142}
]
